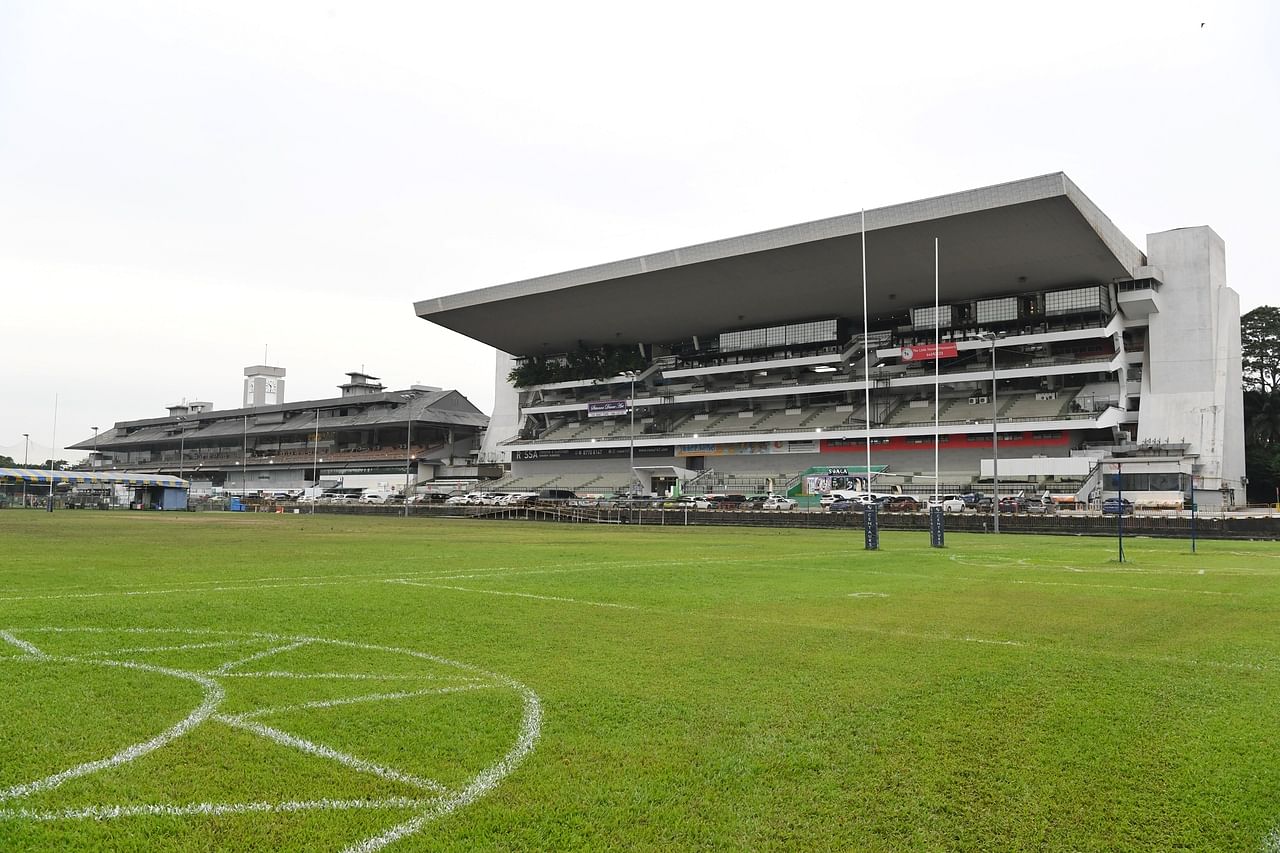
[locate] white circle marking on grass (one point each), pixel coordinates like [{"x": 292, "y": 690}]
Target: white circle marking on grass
[{"x": 440, "y": 800}]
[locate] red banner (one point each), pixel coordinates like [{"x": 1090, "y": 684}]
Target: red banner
[{"x": 925, "y": 352}]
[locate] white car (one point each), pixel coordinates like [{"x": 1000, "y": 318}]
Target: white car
[
  {"x": 949, "y": 503},
  {"x": 458, "y": 500},
  {"x": 779, "y": 502}
]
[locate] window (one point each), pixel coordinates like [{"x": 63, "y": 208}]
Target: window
[
  {"x": 922, "y": 318},
  {"x": 998, "y": 310},
  {"x": 1076, "y": 301}
]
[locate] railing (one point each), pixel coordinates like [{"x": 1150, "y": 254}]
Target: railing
[{"x": 721, "y": 433}]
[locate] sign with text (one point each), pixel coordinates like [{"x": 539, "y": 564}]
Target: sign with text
[
  {"x": 642, "y": 452},
  {"x": 607, "y": 408},
  {"x": 928, "y": 352}
]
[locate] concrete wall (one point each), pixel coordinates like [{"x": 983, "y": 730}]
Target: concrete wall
[
  {"x": 504, "y": 424},
  {"x": 1191, "y": 375}
]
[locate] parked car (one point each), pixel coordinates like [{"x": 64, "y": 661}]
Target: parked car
[
  {"x": 844, "y": 506},
  {"x": 1013, "y": 503},
  {"x": 901, "y": 503},
  {"x": 728, "y": 501},
  {"x": 551, "y": 495},
  {"x": 1117, "y": 506},
  {"x": 776, "y": 502},
  {"x": 458, "y": 500},
  {"x": 755, "y": 502},
  {"x": 949, "y": 503}
]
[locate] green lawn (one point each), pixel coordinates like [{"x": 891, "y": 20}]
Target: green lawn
[{"x": 245, "y": 682}]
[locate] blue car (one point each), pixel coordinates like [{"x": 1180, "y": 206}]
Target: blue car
[{"x": 1117, "y": 506}]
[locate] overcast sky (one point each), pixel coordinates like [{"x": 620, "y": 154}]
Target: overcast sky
[{"x": 183, "y": 184}]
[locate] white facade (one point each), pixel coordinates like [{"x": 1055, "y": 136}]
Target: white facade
[{"x": 1191, "y": 373}]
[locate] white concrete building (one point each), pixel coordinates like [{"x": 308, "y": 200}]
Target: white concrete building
[{"x": 741, "y": 361}]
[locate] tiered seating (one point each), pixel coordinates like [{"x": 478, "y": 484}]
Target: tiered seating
[
  {"x": 1027, "y": 406},
  {"x": 906, "y": 414},
  {"x": 596, "y": 428},
  {"x": 832, "y": 417},
  {"x": 778, "y": 419},
  {"x": 565, "y": 430}
]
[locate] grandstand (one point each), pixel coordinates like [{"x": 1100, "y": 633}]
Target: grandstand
[{"x": 748, "y": 356}]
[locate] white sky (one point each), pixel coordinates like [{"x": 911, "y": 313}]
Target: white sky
[{"x": 184, "y": 183}]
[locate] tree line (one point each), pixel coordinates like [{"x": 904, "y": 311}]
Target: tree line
[{"x": 1260, "y": 359}]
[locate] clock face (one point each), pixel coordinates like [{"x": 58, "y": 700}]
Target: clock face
[{"x": 270, "y": 386}]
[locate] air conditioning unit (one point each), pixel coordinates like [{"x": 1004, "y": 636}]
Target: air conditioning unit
[{"x": 977, "y": 401}]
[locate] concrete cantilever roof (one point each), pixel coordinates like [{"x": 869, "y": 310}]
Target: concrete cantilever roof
[{"x": 1033, "y": 234}]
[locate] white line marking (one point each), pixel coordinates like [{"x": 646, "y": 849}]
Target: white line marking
[
  {"x": 351, "y": 676},
  {"x": 213, "y": 695},
  {"x": 519, "y": 595},
  {"x": 179, "y": 648},
  {"x": 266, "y": 653},
  {"x": 1000, "y": 579},
  {"x": 29, "y": 648},
  {"x": 319, "y": 749},
  {"x": 211, "y": 809},
  {"x": 352, "y": 700},
  {"x": 868, "y": 595}
]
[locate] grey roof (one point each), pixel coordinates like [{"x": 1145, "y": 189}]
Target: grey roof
[
  {"x": 442, "y": 408},
  {"x": 1033, "y": 234},
  {"x": 125, "y": 478}
]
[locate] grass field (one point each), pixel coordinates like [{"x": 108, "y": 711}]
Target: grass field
[{"x": 223, "y": 681}]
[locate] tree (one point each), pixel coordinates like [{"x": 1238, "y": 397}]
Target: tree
[
  {"x": 1260, "y": 357},
  {"x": 8, "y": 462},
  {"x": 1260, "y": 348}
]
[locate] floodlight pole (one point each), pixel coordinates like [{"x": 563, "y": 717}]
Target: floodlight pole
[
  {"x": 95, "y": 447},
  {"x": 26, "y": 452},
  {"x": 244, "y": 461}
]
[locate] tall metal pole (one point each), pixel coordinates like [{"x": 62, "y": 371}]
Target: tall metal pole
[
  {"x": 631, "y": 449},
  {"x": 182, "y": 445},
  {"x": 937, "y": 402},
  {"x": 26, "y": 452},
  {"x": 95, "y": 447},
  {"x": 866, "y": 358},
  {"x": 315, "y": 465},
  {"x": 53, "y": 450},
  {"x": 244, "y": 461},
  {"x": 995, "y": 444},
  {"x": 408, "y": 458},
  {"x": 1120, "y": 512}
]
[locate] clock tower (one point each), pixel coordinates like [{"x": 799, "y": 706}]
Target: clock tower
[{"x": 263, "y": 386}]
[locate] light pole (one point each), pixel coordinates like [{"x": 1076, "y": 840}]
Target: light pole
[
  {"x": 315, "y": 465},
  {"x": 95, "y": 447},
  {"x": 182, "y": 445},
  {"x": 631, "y": 436},
  {"x": 26, "y": 451},
  {"x": 995, "y": 440},
  {"x": 244, "y": 457},
  {"x": 408, "y": 446}
]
